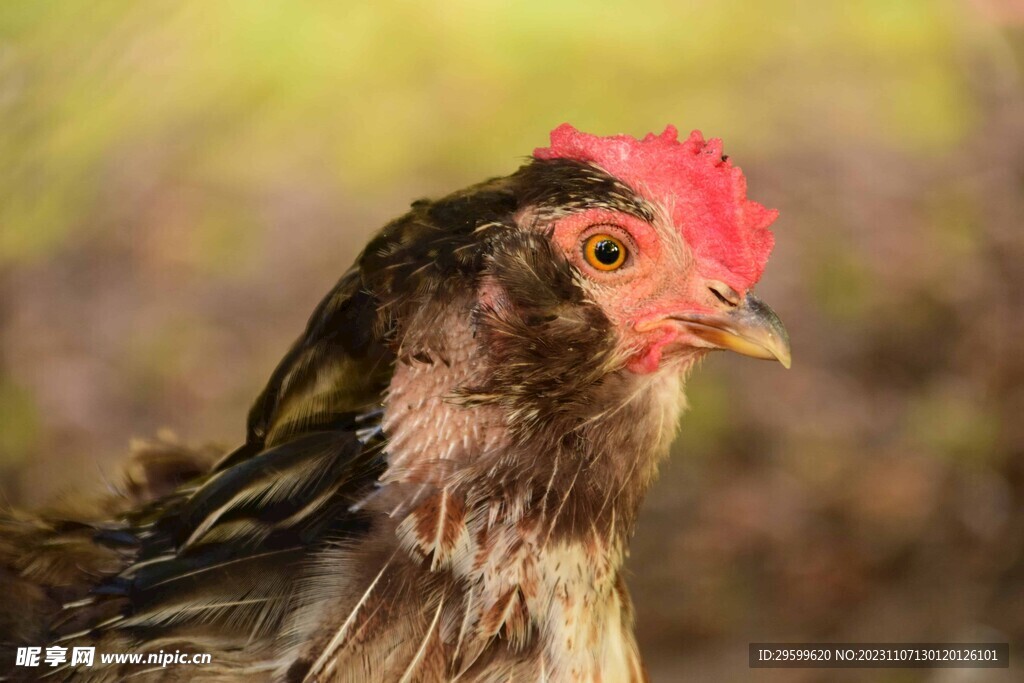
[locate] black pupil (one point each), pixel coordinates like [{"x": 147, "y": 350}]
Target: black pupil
[{"x": 607, "y": 252}]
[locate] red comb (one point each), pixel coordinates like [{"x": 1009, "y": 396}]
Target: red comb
[{"x": 705, "y": 195}]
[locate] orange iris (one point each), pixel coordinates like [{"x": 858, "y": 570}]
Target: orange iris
[{"x": 604, "y": 252}]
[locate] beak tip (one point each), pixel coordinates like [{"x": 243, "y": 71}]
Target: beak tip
[{"x": 781, "y": 349}]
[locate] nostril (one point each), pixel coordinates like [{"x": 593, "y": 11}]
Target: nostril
[
  {"x": 718, "y": 295},
  {"x": 724, "y": 293}
]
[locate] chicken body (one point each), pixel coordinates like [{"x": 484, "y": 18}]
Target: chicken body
[{"x": 440, "y": 479}]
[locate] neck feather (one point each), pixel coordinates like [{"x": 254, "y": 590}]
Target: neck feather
[{"x": 579, "y": 481}]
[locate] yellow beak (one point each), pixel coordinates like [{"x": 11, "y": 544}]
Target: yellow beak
[{"x": 750, "y": 328}]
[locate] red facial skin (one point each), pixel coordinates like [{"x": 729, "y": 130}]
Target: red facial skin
[
  {"x": 707, "y": 234},
  {"x": 658, "y": 279},
  {"x": 698, "y": 190}
]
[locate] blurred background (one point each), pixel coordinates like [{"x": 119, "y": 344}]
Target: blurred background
[{"x": 180, "y": 182}]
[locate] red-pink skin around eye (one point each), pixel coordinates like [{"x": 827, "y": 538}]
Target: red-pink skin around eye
[
  {"x": 704, "y": 195},
  {"x": 657, "y": 281}
]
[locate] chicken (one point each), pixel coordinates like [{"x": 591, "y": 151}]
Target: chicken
[{"x": 441, "y": 477}]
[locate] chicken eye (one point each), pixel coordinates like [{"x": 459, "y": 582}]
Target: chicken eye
[{"x": 604, "y": 252}]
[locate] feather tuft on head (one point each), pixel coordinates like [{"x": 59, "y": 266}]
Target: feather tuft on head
[{"x": 705, "y": 195}]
